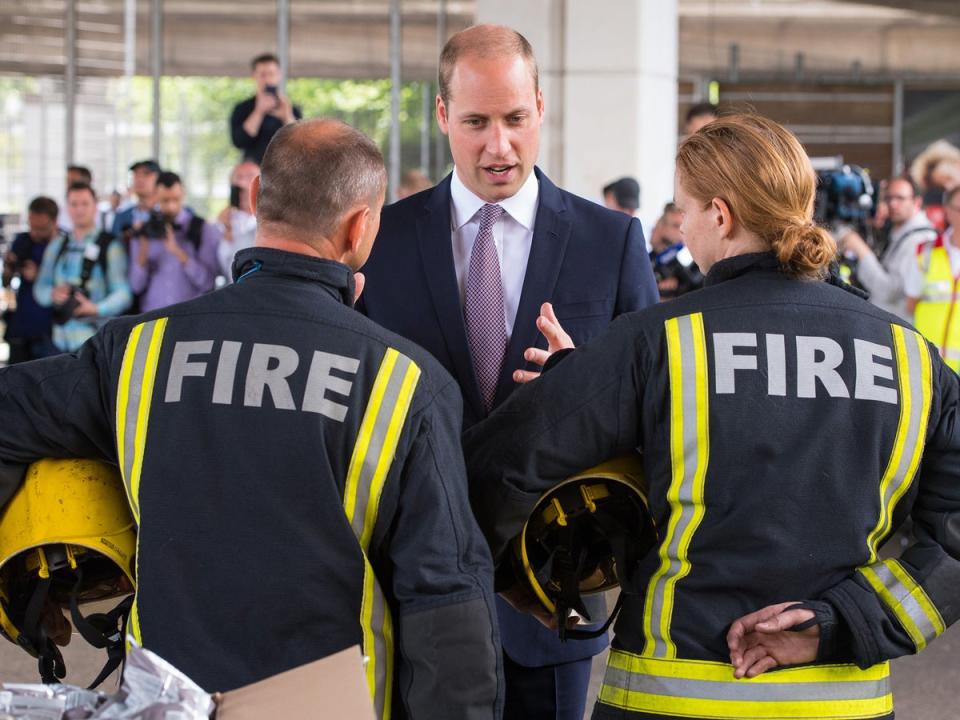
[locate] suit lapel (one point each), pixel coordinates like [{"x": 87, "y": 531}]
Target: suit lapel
[
  {"x": 551, "y": 231},
  {"x": 436, "y": 254}
]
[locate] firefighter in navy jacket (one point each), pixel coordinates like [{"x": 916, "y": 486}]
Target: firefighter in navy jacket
[
  {"x": 295, "y": 470},
  {"x": 787, "y": 428}
]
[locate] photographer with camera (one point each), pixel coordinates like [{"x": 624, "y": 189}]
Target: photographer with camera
[
  {"x": 673, "y": 265},
  {"x": 83, "y": 276},
  {"x": 237, "y": 220},
  {"x": 884, "y": 273},
  {"x": 143, "y": 184},
  {"x": 255, "y": 120},
  {"x": 29, "y": 325},
  {"x": 173, "y": 257}
]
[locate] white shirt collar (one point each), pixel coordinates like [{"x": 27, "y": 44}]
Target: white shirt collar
[{"x": 522, "y": 207}]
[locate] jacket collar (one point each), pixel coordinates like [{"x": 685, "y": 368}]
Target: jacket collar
[
  {"x": 729, "y": 268},
  {"x": 768, "y": 262},
  {"x": 333, "y": 277}
]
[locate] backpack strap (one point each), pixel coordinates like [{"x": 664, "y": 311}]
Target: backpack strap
[{"x": 64, "y": 241}]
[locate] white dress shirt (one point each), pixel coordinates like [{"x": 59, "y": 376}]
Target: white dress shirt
[{"x": 512, "y": 233}]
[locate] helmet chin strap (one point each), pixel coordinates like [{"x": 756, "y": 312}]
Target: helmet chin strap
[
  {"x": 34, "y": 636},
  {"x": 102, "y": 630}
]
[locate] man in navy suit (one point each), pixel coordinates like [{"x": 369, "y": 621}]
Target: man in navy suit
[{"x": 463, "y": 268}]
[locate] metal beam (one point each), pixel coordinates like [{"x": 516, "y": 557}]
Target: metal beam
[
  {"x": 129, "y": 38},
  {"x": 897, "y": 129},
  {"x": 283, "y": 41},
  {"x": 70, "y": 82},
  {"x": 156, "y": 68},
  {"x": 426, "y": 109},
  {"x": 440, "y": 148},
  {"x": 395, "y": 58}
]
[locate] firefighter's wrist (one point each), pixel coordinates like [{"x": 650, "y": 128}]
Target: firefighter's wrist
[{"x": 835, "y": 639}]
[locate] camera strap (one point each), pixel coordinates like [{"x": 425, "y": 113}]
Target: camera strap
[{"x": 103, "y": 241}]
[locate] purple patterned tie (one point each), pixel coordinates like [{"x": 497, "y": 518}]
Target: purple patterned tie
[{"x": 483, "y": 306}]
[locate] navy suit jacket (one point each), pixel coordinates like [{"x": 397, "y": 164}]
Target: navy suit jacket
[{"x": 590, "y": 262}]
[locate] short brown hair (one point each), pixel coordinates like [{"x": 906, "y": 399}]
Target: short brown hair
[
  {"x": 82, "y": 187},
  {"x": 915, "y": 189},
  {"x": 313, "y": 172},
  {"x": 485, "y": 41},
  {"x": 761, "y": 171},
  {"x": 264, "y": 58},
  {"x": 43, "y": 205}
]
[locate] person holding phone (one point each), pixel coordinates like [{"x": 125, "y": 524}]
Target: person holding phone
[
  {"x": 237, "y": 220},
  {"x": 255, "y": 120}
]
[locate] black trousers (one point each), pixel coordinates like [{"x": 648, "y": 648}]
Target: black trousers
[{"x": 553, "y": 692}]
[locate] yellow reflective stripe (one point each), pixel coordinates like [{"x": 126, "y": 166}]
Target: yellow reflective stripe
[
  {"x": 377, "y": 627},
  {"x": 135, "y": 622},
  {"x": 709, "y": 690},
  {"x": 689, "y": 455},
  {"x": 908, "y": 601},
  {"x": 370, "y": 462},
  {"x": 366, "y": 429},
  {"x": 914, "y": 379},
  {"x": 397, "y": 419},
  {"x": 123, "y": 400},
  {"x": 146, "y": 395},
  {"x": 138, "y": 372}
]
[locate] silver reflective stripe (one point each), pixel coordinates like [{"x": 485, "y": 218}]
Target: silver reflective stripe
[
  {"x": 377, "y": 440},
  {"x": 381, "y": 651},
  {"x": 906, "y": 601},
  {"x": 745, "y": 691}
]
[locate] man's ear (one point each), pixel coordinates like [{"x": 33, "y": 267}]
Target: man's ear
[
  {"x": 356, "y": 227},
  {"x": 443, "y": 122},
  {"x": 254, "y": 192}
]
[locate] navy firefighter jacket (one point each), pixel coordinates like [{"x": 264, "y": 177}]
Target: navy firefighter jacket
[
  {"x": 788, "y": 427},
  {"x": 296, "y": 475}
]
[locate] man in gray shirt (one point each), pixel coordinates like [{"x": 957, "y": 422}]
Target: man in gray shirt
[{"x": 885, "y": 276}]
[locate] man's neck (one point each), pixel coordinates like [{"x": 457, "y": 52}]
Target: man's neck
[
  {"x": 144, "y": 203},
  {"x": 80, "y": 232},
  {"x": 295, "y": 246}
]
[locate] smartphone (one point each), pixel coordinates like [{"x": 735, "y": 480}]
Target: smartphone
[
  {"x": 235, "y": 191},
  {"x": 271, "y": 90}
]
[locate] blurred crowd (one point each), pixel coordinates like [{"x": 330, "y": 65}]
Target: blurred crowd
[{"x": 90, "y": 258}]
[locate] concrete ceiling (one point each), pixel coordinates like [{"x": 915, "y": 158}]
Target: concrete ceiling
[
  {"x": 350, "y": 38},
  {"x": 930, "y": 7}
]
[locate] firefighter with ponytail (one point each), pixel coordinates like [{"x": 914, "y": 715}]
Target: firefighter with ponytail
[{"x": 787, "y": 428}]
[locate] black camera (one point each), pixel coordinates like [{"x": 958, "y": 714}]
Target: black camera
[
  {"x": 155, "y": 228},
  {"x": 62, "y": 313}
]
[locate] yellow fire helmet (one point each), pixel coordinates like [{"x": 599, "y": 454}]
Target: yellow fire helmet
[
  {"x": 66, "y": 538},
  {"x": 586, "y": 535}
]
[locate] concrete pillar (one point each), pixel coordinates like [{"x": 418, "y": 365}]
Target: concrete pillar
[{"x": 609, "y": 78}]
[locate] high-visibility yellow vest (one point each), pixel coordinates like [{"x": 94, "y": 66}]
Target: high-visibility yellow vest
[{"x": 936, "y": 314}]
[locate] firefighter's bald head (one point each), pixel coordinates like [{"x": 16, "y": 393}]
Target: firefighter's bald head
[{"x": 315, "y": 176}]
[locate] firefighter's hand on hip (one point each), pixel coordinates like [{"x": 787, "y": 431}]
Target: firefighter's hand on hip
[
  {"x": 765, "y": 639},
  {"x": 557, "y": 339}
]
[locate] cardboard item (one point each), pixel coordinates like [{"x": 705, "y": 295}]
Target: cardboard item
[{"x": 332, "y": 687}]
